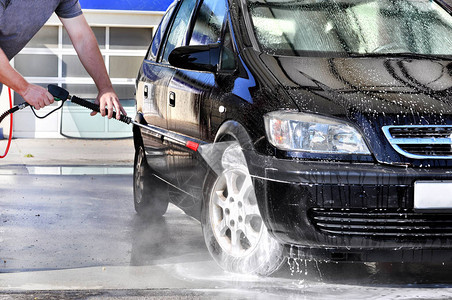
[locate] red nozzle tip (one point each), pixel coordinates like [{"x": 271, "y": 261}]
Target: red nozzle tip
[{"x": 192, "y": 145}]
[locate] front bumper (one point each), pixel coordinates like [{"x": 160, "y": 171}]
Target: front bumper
[{"x": 346, "y": 211}]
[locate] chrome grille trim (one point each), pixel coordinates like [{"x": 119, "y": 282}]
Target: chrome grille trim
[
  {"x": 383, "y": 223},
  {"x": 421, "y": 139}
]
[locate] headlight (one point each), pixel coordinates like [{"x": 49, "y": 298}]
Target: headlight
[{"x": 294, "y": 131}]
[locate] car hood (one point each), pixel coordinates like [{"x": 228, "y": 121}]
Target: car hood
[{"x": 369, "y": 92}]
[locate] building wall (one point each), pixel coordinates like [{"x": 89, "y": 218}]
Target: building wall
[
  {"x": 123, "y": 36},
  {"x": 144, "y": 5}
]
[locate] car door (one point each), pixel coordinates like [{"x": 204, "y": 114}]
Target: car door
[
  {"x": 151, "y": 87},
  {"x": 188, "y": 107},
  {"x": 152, "y": 84},
  {"x": 189, "y": 89}
]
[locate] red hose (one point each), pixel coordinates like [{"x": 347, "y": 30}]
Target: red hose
[{"x": 10, "y": 125}]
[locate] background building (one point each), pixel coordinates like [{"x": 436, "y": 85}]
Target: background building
[{"x": 123, "y": 30}]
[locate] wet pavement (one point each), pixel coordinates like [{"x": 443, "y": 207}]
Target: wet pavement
[
  {"x": 67, "y": 152},
  {"x": 69, "y": 231}
]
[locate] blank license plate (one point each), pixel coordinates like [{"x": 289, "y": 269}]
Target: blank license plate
[{"x": 433, "y": 195}]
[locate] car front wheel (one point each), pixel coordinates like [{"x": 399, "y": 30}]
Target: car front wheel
[{"x": 234, "y": 231}]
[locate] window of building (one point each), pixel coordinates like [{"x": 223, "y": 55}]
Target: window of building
[{"x": 49, "y": 58}]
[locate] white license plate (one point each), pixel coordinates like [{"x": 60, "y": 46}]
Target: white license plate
[{"x": 433, "y": 195}]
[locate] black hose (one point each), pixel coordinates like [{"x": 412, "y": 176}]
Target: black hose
[{"x": 13, "y": 110}]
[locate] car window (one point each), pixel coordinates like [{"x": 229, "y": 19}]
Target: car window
[
  {"x": 228, "y": 61},
  {"x": 358, "y": 27},
  {"x": 209, "y": 22},
  {"x": 179, "y": 28},
  {"x": 153, "y": 50}
]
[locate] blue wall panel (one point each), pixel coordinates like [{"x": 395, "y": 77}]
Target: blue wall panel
[{"x": 151, "y": 5}]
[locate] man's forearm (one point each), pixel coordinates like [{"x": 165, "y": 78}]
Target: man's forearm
[
  {"x": 85, "y": 44},
  {"x": 88, "y": 51},
  {"x": 91, "y": 58},
  {"x": 11, "y": 77}
]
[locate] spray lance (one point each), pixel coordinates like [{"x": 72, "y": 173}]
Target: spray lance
[{"x": 62, "y": 95}]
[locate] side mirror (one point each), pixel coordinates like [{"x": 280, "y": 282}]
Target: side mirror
[{"x": 198, "y": 58}]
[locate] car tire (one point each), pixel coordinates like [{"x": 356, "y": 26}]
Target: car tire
[
  {"x": 233, "y": 229},
  {"x": 147, "y": 203}
]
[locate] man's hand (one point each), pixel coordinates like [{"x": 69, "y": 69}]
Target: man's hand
[
  {"x": 110, "y": 100},
  {"x": 37, "y": 96}
]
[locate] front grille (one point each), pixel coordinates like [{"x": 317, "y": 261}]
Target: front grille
[
  {"x": 420, "y": 132},
  {"x": 383, "y": 223},
  {"x": 421, "y": 142}
]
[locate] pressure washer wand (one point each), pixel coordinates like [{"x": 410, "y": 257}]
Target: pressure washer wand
[{"x": 61, "y": 94}]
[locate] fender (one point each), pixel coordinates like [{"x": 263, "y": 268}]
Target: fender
[
  {"x": 137, "y": 138},
  {"x": 235, "y": 130}
]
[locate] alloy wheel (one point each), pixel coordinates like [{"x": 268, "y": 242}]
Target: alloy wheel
[{"x": 235, "y": 217}]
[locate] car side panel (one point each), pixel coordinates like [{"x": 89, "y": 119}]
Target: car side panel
[
  {"x": 151, "y": 94},
  {"x": 188, "y": 115}
]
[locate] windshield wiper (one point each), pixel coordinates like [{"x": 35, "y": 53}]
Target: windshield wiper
[{"x": 403, "y": 54}]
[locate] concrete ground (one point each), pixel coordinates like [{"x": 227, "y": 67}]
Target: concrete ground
[
  {"x": 64, "y": 152},
  {"x": 66, "y": 235},
  {"x": 68, "y": 230}
]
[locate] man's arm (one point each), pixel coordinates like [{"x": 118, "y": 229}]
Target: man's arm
[
  {"x": 36, "y": 96},
  {"x": 85, "y": 44}
]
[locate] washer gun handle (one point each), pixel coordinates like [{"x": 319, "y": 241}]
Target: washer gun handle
[
  {"x": 61, "y": 94},
  {"x": 58, "y": 93}
]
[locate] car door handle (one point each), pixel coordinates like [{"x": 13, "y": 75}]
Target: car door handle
[
  {"x": 172, "y": 99},
  {"x": 146, "y": 92}
]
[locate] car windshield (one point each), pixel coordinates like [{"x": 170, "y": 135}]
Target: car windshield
[{"x": 344, "y": 27}]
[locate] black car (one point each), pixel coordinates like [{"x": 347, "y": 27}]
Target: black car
[{"x": 310, "y": 128}]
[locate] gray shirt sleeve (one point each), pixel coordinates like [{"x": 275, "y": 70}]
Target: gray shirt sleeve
[{"x": 68, "y": 9}]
